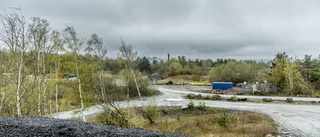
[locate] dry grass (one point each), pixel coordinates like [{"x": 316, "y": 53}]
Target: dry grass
[
  {"x": 244, "y": 125},
  {"x": 64, "y": 105},
  {"x": 204, "y": 123}
]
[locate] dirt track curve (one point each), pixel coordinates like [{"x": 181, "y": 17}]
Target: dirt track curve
[{"x": 298, "y": 120}]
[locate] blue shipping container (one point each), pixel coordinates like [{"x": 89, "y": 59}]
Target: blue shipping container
[{"x": 222, "y": 85}]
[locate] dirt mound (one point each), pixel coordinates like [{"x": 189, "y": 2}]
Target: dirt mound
[{"x": 43, "y": 126}]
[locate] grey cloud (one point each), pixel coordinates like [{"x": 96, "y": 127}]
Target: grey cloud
[{"x": 243, "y": 29}]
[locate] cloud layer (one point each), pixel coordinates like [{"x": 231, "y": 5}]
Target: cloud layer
[{"x": 240, "y": 29}]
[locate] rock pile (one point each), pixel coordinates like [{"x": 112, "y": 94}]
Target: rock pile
[{"x": 43, "y": 126}]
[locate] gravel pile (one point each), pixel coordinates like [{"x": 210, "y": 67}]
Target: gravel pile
[{"x": 43, "y": 126}]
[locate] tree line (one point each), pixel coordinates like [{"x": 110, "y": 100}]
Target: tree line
[{"x": 45, "y": 70}]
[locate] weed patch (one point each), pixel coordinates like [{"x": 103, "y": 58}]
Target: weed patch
[{"x": 212, "y": 122}]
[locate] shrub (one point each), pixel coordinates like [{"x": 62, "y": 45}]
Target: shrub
[
  {"x": 122, "y": 118},
  {"x": 317, "y": 95},
  {"x": 202, "y": 106},
  {"x": 223, "y": 119},
  {"x": 216, "y": 97},
  {"x": 153, "y": 110},
  {"x": 199, "y": 96},
  {"x": 233, "y": 99},
  {"x": 74, "y": 102},
  {"x": 191, "y": 96},
  {"x": 190, "y": 105}
]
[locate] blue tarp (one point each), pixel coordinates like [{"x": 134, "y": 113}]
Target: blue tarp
[{"x": 222, "y": 85}]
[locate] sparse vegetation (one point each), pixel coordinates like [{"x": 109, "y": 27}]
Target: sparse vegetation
[
  {"x": 190, "y": 105},
  {"x": 223, "y": 120},
  {"x": 128, "y": 118},
  {"x": 216, "y": 97},
  {"x": 197, "y": 123},
  {"x": 233, "y": 99}
]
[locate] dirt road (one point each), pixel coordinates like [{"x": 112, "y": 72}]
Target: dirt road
[{"x": 299, "y": 120}]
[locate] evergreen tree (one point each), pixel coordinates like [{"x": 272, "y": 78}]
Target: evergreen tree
[{"x": 144, "y": 65}]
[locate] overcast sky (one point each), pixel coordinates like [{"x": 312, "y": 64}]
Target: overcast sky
[{"x": 204, "y": 29}]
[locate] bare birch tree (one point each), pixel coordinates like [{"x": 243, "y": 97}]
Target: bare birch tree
[
  {"x": 127, "y": 53},
  {"x": 40, "y": 32},
  {"x": 74, "y": 44},
  {"x": 15, "y": 37},
  {"x": 95, "y": 46},
  {"x": 57, "y": 43}
]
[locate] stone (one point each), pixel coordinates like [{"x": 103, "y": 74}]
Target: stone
[
  {"x": 270, "y": 135},
  {"x": 267, "y": 99}
]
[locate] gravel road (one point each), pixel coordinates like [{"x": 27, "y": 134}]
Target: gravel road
[{"x": 298, "y": 120}]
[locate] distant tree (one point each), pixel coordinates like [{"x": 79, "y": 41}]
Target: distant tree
[
  {"x": 277, "y": 70},
  {"x": 144, "y": 65},
  {"x": 175, "y": 68},
  {"x": 280, "y": 59},
  {"x": 159, "y": 67},
  {"x": 294, "y": 82},
  {"x": 236, "y": 72},
  {"x": 182, "y": 60},
  {"x": 114, "y": 65},
  {"x": 154, "y": 62},
  {"x": 310, "y": 69},
  {"x": 207, "y": 65}
]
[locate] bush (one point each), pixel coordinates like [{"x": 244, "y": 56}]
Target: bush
[
  {"x": 122, "y": 118},
  {"x": 216, "y": 97},
  {"x": 74, "y": 102},
  {"x": 190, "y": 105},
  {"x": 199, "y": 96},
  {"x": 317, "y": 95},
  {"x": 191, "y": 96},
  {"x": 233, "y": 99},
  {"x": 223, "y": 119},
  {"x": 202, "y": 106},
  {"x": 153, "y": 110},
  {"x": 143, "y": 84}
]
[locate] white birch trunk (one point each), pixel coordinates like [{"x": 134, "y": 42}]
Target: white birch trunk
[
  {"x": 19, "y": 83},
  {"x": 57, "y": 87},
  {"x": 3, "y": 97},
  {"x": 39, "y": 82},
  {"x": 80, "y": 90}
]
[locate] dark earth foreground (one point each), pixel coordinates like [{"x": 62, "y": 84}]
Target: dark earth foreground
[{"x": 43, "y": 126}]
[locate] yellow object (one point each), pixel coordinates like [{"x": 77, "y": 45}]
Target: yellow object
[
  {"x": 6, "y": 74},
  {"x": 200, "y": 84}
]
